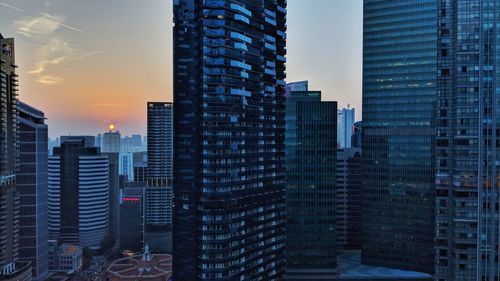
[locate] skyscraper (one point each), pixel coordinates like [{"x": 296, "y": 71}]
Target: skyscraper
[
  {"x": 229, "y": 71},
  {"x": 127, "y": 165},
  {"x": 9, "y": 196},
  {"x": 132, "y": 216},
  {"x": 32, "y": 185},
  {"x": 78, "y": 193},
  {"x": 111, "y": 140},
  {"x": 158, "y": 195},
  {"x": 160, "y": 142},
  {"x": 348, "y": 216},
  {"x": 9, "y": 156},
  {"x": 98, "y": 140},
  {"x": 399, "y": 91},
  {"x": 357, "y": 133},
  {"x": 310, "y": 145},
  {"x": 467, "y": 154},
  {"x": 345, "y": 120},
  {"x": 114, "y": 196},
  {"x": 137, "y": 141}
]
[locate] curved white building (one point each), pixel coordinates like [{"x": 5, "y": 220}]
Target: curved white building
[{"x": 93, "y": 203}]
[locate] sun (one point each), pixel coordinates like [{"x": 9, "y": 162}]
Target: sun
[{"x": 111, "y": 127}]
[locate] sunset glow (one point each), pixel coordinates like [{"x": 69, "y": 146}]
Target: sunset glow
[{"x": 85, "y": 74}]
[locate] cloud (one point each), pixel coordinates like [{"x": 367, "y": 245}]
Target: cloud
[
  {"x": 89, "y": 54},
  {"x": 42, "y": 25},
  {"x": 54, "y": 49},
  {"x": 11, "y": 7},
  {"x": 49, "y": 79},
  {"x": 42, "y": 65}
]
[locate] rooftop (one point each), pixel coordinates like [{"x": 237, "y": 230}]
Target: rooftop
[
  {"x": 350, "y": 267},
  {"x": 68, "y": 249}
]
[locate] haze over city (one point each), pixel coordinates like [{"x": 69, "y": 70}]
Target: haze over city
[{"x": 90, "y": 63}]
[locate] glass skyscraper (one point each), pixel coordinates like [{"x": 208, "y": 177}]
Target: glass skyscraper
[
  {"x": 310, "y": 145},
  {"x": 229, "y": 176},
  {"x": 399, "y": 92},
  {"x": 468, "y": 129},
  {"x": 32, "y": 184}
]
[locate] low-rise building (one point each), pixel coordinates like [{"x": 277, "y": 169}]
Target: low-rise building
[
  {"x": 147, "y": 267},
  {"x": 16, "y": 271},
  {"x": 65, "y": 258}
]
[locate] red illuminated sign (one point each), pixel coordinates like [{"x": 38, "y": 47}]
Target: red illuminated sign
[{"x": 131, "y": 199}]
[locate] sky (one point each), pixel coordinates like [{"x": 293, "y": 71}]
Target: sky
[{"x": 90, "y": 63}]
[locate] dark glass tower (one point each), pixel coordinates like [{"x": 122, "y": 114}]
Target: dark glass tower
[
  {"x": 310, "y": 145},
  {"x": 229, "y": 71},
  {"x": 468, "y": 130},
  {"x": 32, "y": 184},
  {"x": 349, "y": 204},
  {"x": 399, "y": 92}
]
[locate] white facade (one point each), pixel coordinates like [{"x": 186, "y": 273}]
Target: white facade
[{"x": 54, "y": 197}]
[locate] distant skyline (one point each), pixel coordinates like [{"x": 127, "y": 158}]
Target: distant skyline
[{"x": 90, "y": 63}]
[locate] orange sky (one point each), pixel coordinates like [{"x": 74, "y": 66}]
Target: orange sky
[{"x": 89, "y": 63}]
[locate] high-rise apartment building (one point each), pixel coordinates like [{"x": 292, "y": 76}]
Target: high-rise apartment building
[
  {"x": 159, "y": 195},
  {"x": 78, "y": 193},
  {"x": 229, "y": 71},
  {"x": 399, "y": 94},
  {"x": 467, "y": 141},
  {"x": 32, "y": 179},
  {"x": 9, "y": 156},
  {"x": 160, "y": 142},
  {"x": 345, "y": 120},
  {"x": 310, "y": 146}
]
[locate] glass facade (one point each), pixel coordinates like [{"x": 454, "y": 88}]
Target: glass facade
[
  {"x": 310, "y": 145},
  {"x": 32, "y": 184},
  {"x": 399, "y": 92},
  {"x": 229, "y": 176},
  {"x": 131, "y": 217},
  {"x": 468, "y": 126},
  {"x": 348, "y": 218}
]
